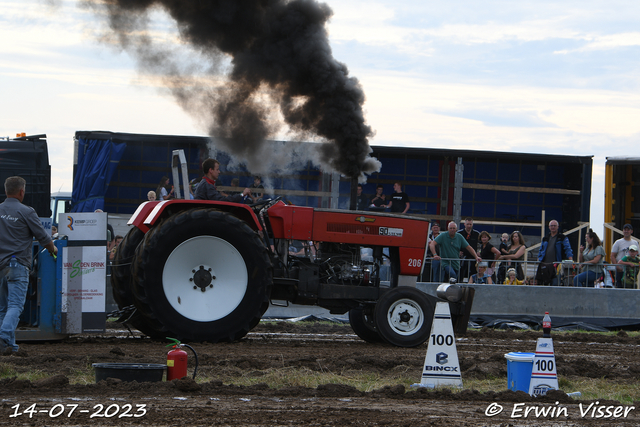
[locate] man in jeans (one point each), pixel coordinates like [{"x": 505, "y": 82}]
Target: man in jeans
[
  {"x": 19, "y": 224},
  {"x": 450, "y": 244},
  {"x": 554, "y": 248},
  {"x": 472, "y": 236}
]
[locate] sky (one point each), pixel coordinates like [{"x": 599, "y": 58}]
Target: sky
[{"x": 532, "y": 77}]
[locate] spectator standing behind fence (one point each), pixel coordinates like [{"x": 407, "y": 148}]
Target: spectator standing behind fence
[
  {"x": 151, "y": 196},
  {"x": 515, "y": 254},
  {"x": 591, "y": 261},
  {"x": 471, "y": 236},
  {"x": 619, "y": 250},
  {"x": 235, "y": 187},
  {"x": 257, "y": 189},
  {"x": 554, "y": 248},
  {"x": 379, "y": 200},
  {"x": 362, "y": 202},
  {"x": 451, "y": 243},
  {"x": 435, "y": 265},
  {"x": 631, "y": 263},
  {"x": 164, "y": 190},
  {"x": 112, "y": 252},
  {"x": 399, "y": 202},
  {"x": 488, "y": 252}
]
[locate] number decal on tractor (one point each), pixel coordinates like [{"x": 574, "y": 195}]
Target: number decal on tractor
[
  {"x": 413, "y": 262},
  {"x": 388, "y": 231}
]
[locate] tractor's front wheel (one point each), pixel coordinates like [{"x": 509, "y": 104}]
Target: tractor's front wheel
[{"x": 404, "y": 315}]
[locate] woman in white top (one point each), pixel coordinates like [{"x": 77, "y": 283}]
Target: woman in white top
[
  {"x": 162, "y": 193},
  {"x": 591, "y": 259}
]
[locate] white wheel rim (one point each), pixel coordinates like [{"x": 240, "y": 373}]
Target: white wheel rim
[
  {"x": 227, "y": 290},
  {"x": 405, "y": 317}
]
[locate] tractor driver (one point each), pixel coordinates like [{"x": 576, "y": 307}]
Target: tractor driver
[{"x": 206, "y": 189}]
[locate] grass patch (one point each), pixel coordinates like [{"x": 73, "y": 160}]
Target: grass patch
[
  {"x": 305, "y": 377},
  {"x": 603, "y": 389},
  {"x": 6, "y": 370}
]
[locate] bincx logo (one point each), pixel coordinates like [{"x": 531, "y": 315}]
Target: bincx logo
[
  {"x": 442, "y": 358},
  {"x": 441, "y": 368},
  {"x": 541, "y": 389}
]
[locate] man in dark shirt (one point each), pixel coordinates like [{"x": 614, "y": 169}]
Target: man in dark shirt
[
  {"x": 206, "y": 189},
  {"x": 257, "y": 189},
  {"x": 399, "y": 202},
  {"x": 379, "y": 201},
  {"x": 361, "y": 200},
  {"x": 472, "y": 237}
]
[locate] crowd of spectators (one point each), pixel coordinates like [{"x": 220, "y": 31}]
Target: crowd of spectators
[{"x": 468, "y": 255}]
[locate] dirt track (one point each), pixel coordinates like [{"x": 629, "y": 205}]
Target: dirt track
[{"x": 310, "y": 348}]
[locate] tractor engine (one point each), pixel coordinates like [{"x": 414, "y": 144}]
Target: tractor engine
[{"x": 344, "y": 265}]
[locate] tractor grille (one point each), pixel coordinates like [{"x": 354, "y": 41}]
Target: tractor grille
[{"x": 335, "y": 227}]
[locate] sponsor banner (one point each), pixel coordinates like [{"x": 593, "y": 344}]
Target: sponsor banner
[
  {"x": 83, "y": 287},
  {"x": 89, "y": 226}
]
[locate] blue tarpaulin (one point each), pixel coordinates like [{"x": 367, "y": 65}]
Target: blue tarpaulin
[{"x": 97, "y": 161}]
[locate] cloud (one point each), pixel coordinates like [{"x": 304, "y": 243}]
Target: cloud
[
  {"x": 506, "y": 118},
  {"x": 607, "y": 42}
]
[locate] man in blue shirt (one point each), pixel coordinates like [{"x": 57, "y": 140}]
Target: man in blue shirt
[{"x": 554, "y": 248}]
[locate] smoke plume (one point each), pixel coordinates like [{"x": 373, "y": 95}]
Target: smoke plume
[{"x": 265, "y": 62}]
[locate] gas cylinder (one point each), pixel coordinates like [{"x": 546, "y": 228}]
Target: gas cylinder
[{"x": 176, "y": 363}]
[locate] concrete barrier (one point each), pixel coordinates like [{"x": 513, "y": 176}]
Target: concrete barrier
[
  {"x": 560, "y": 300},
  {"x": 605, "y": 307}
]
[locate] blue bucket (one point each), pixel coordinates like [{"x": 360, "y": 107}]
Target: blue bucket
[{"x": 519, "y": 367}]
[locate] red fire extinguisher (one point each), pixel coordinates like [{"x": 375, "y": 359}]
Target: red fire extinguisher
[{"x": 177, "y": 360}]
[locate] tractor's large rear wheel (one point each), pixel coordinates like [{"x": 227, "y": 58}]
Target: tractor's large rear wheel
[
  {"x": 404, "y": 315},
  {"x": 203, "y": 275}
]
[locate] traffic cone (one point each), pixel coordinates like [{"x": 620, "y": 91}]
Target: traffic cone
[
  {"x": 441, "y": 365},
  {"x": 543, "y": 374}
]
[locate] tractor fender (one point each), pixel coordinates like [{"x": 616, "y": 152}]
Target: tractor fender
[{"x": 150, "y": 213}]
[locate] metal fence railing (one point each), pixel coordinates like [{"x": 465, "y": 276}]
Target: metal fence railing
[{"x": 567, "y": 273}]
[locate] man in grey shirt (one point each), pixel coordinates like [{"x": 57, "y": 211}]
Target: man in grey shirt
[
  {"x": 206, "y": 189},
  {"x": 19, "y": 224}
]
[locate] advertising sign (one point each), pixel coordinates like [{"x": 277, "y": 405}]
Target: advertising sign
[
  {"x": 87, "y": 226},
  {"x": 84, "y": 269}
]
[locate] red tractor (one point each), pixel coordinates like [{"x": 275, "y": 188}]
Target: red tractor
[{"x": 206, "y": 271}]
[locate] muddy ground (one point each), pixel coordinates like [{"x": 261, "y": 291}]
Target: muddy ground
[{"x": 315, "y": 347}]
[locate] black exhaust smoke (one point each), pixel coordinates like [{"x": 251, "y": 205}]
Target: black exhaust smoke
[{"x": 277, "y": 49}]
